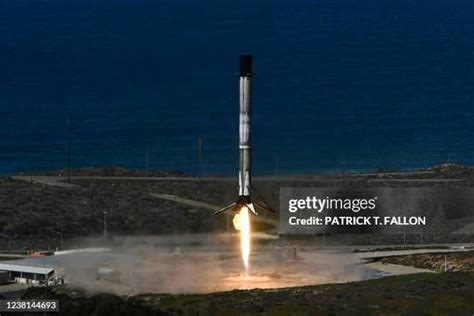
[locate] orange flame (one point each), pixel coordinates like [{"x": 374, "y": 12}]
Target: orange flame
[{"x": 241, "y": 223}]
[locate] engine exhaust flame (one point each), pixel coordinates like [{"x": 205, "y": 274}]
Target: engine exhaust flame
[{"x": 241, "y": 223}]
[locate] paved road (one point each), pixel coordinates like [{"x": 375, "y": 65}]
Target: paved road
[
  {"x": 48, "y": 180},
  {"x": 417, "y": 180},
  {"x": 396, "y": 269},
  {"x": 13, "y": 291},
  {"x": 189, "y": 202},
  {"x": 61, "y": 181},
  {"x": 207, "y": 206},
  {"x": 12, "y": 256},
  {"x": 382, "y": 254}
]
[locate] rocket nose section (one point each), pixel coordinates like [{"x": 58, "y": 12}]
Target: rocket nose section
[{"x": 251, "y": 207}]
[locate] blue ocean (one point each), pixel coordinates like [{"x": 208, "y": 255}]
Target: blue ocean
[{"x": 352, "y": 85}]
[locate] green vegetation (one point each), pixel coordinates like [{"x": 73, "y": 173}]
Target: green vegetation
[
  {"x": 417, "y": 294},
  {"x": 458, "y": 261}
]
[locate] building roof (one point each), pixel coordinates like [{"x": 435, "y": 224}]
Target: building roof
[{"x": 26, "y": 269}]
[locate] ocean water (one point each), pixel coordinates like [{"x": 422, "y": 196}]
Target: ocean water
[{"x": 339, "y": 84}]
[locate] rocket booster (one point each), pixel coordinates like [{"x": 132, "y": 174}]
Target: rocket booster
[
  {"x": 244, "y": 131},
  {"x": 245, "y": 170}
]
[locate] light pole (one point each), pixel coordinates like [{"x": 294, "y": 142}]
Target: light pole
[
  {"x": 105, "y": 225},
  {"x": 68, "y": 150},
  {"x": 199, "y": 158},
  {"x": 277, "y": 165},
  {"x": 61, "y": 240},
  {"x": 146, "y": 162}
]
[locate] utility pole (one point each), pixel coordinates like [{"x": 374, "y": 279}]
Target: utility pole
[
  {"x": 199, "y": 170},
  {"x": 324, "y": 230},
  {"x": 105, "y": 225},
  {"x": 404, "y": 236},
  {"x": 146, "y": 162},
  {"x": 449, "y": 165},
  {"x": 399, "y": 212},
  {"x": 277, "y": 165},
  {"x": 343, "y": 167},
  {"x": 61, "y": 240},
  {"x": 68, "y": 150}
]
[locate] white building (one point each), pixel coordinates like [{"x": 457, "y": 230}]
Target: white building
[{"x": 27, "y": 274}]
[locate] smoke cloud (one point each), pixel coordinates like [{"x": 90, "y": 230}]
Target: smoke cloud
[{"x": 203, "y": 264}]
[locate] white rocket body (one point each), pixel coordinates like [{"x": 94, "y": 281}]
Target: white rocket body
[
  {"x": 245, "y": 170},
  {"x": 244, "y": 132}
]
